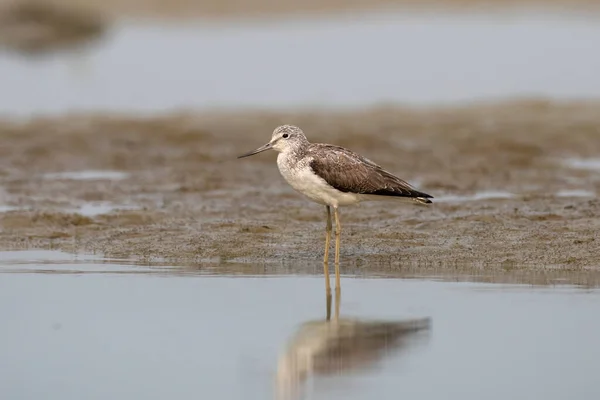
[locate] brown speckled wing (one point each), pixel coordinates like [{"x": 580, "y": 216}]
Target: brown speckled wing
[{"x": 347, "y": 171}]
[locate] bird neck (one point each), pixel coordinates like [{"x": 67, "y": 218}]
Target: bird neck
[{"x": 299, "y": 150}]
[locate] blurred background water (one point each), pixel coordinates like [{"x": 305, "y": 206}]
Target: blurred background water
[{"x": 352, "y": 59}]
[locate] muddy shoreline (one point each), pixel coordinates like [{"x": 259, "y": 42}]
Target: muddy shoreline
[
  {"x": 185, "y": 9},
  {"x": 185, "y": 198}
]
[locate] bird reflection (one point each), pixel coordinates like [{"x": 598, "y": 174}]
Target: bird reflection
[{"x": 340, "y": 345}]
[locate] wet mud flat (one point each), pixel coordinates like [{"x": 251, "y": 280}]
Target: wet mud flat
[{"x": 515, "y": 186}]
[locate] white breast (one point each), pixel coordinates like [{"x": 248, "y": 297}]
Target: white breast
[{"x": 302, "y": 178}]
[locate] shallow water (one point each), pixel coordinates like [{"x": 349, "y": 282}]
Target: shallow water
[
  {"x": 575, "y": 193},
  {"x": 87, "y": 175},
  {"x": 344, "y": 61},
  {"x": 485, "y": 195},
  {"x": 108, "y": 329},
  {"x": 4, "y": 208},
  {"x": 592, "y": 164},
  {"x": 98, "y": 208}
]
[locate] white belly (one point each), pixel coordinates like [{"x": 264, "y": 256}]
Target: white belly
[{"x": 301, "y": 177}]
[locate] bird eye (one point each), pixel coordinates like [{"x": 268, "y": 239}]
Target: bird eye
[{"x": 285, "y": 136}]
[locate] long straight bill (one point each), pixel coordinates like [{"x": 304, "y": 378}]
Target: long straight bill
[{"x": 267, "y": 146}]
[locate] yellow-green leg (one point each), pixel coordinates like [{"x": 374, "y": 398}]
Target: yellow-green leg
[
  {"x": 338, "y": 231},
  {"x": 326, "y": 257}
]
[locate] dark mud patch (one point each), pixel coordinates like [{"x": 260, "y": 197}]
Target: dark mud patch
[
  {"x": 196, "y": 203},
  {"x": 36, "y": 27}
]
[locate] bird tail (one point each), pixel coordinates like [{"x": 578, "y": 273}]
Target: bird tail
[{"x": 422, "y": 200}]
